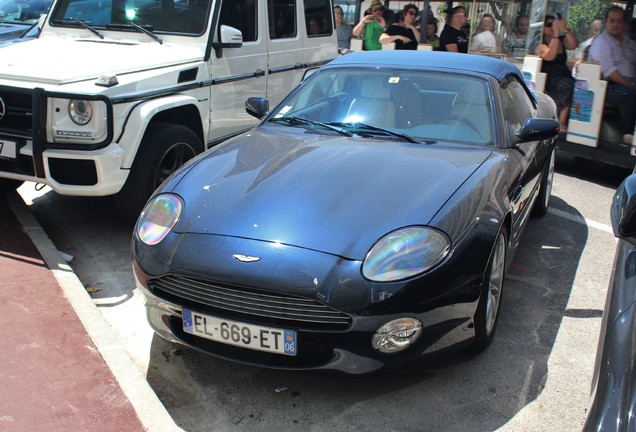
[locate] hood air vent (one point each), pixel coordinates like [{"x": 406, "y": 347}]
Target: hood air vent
[{"x": 187, "y": 75}]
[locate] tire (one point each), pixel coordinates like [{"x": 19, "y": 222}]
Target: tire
[
  {"x": 9, "y": 185},
  {"x": 542, "y": 203},
  {"x": 164, "y": 148},
  {"x": 487, "y": 313}
]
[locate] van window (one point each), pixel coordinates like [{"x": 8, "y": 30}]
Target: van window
[
  {"x": 240, "y": 14},
  {"x": 318, "y": 18},
  {"x": 282, "y": 18}
]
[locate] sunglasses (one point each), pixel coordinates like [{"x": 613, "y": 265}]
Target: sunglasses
[{"x": 548, "y": 24}]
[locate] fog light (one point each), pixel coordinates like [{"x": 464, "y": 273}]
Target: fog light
[{"x": 396, "y": 335}]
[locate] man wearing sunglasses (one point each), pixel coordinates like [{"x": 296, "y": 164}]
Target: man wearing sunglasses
[
  {"x": 452, "y": 38},
  {"x": 403, "y": 34}
]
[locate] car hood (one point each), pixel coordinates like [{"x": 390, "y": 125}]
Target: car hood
[
  {"x": 332, "y": 194},
  {"x": 39, "y": 60}
]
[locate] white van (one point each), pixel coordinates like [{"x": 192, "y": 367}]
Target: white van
[{"x": 114, "y": 95}]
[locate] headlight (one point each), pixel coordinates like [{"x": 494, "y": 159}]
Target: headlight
[
  {"x": 404, "y": 253},
  {"x": 81, "y": 111},
  {"x": 396, "y": 335},
  {"x": 158, "y": 218}
]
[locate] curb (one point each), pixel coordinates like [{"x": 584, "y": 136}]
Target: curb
[{"x": 133, "y": 383}]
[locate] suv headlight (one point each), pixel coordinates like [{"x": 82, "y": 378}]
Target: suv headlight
[
  {"x": 81, "y": 111},
  {"x": 80, "y": 121}
]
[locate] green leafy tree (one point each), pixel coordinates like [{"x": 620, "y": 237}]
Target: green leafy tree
[{"x": 582, "y": 13}]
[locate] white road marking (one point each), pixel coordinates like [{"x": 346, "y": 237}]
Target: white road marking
[{"x": 581, "y": 220}]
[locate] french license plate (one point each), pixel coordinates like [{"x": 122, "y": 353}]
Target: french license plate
[
  {"x": 240, "y": 334},
  {"x": 7, "y": 149}
]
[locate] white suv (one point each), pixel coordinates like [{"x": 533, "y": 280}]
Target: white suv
[{"x": 114, "y": 95}]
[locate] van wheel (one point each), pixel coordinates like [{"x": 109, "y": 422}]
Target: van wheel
[
  {"x": 164, "y": 148},
  {"x": 8, "y": 185},
  {"x": 545, "y": 188},
  {"x": 487, "y": 313}
]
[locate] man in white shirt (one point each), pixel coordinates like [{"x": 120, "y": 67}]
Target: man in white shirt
[{"x": 616, "y": 53}]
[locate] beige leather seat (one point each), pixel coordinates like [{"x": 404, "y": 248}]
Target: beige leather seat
[
  {"x": 374, "y": 105},
  {"x": 471, "y": 103}
]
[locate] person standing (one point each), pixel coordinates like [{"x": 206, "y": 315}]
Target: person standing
[
  {"x": 403, "y": 34},
  {"x": 372, "y": 26},
  {"x": 452, "y": 38},
  {"x": 343, "y": 30},
  {"x": 594, "y": 30},
  {"x": 559, "y": 83},
  {"x": 431, "y": 34},
  {"x": 484, "y": 40},
  {"x": 515, "y": 44},
  {"x": 616, "y": 53}
]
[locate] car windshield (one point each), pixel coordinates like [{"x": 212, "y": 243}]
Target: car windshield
[
  {"x": 425, "y": 106},
  {"x": 165, "y": 16},
  {"x": 22, "y": 11}
]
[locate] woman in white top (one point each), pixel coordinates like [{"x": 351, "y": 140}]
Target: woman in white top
[{"x": 484, "y": 40}]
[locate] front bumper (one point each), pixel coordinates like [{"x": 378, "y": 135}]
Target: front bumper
[{"x": 446, "y": 328}]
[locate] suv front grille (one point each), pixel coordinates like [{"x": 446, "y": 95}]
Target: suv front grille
[
  {"x": 18, "y": 115},
  {"x": 267, "y": 307}
]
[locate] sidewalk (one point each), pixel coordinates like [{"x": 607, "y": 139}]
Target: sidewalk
[{"x": 61, "y": 370}]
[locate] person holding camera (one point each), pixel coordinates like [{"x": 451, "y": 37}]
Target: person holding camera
[
  {"x": 559, "y": 83},
  {"x": 372, "y": 26}
]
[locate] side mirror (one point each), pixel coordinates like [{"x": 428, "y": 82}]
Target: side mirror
[
  {"x": 623, "y": 211},
  {"x": 257, "y": 107},
  {"x": 229, "y": 37},
  {"x": 536, "y": 129},
  {"x": 41, "y": 21}
]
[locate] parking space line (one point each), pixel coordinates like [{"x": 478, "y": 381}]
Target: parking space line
[{"x": 574, "y": 218}]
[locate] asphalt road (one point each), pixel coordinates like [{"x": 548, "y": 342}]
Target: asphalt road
[{"x": 535, "y": 376}]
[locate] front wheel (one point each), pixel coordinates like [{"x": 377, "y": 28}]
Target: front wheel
[
  {"x": 487, "y": 312},
  {"x": 164, "y": 149}
]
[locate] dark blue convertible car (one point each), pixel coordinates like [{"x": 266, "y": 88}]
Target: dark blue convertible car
[{"x": 365, "y": 224}]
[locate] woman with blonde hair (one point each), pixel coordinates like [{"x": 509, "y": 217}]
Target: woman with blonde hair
[{"x": 484, "y": 40}]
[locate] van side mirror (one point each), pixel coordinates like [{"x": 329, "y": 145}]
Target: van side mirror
[
  {"x": 623, "y": 210},
  {"x": 257, "y": 107},
  {"x": 229, "y": 37},
  {"x": 536, "y": 129}
]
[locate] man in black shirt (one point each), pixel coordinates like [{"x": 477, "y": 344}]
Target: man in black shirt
[{"x": 452, "y": 38}]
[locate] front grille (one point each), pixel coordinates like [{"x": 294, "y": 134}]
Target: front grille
[
  {"x": 18, "y": 117},
  {"x": 268, "y": 307}
]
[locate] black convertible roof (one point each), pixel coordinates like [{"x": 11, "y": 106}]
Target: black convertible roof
[{"x": 430, "y": 59}]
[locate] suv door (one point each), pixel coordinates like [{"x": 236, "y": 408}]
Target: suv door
[{"x": 239, "y": 73}]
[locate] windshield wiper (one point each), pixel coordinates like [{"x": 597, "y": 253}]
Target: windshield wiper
[
  {"x": 387, "y": 132},
  {"x": 137, "y": 27},
  {"x": 80, "y": 22},
  {"x": 296, "y": 120}
]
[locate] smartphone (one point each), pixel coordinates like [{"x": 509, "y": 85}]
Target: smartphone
[{"x": 559, "y": 16}]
